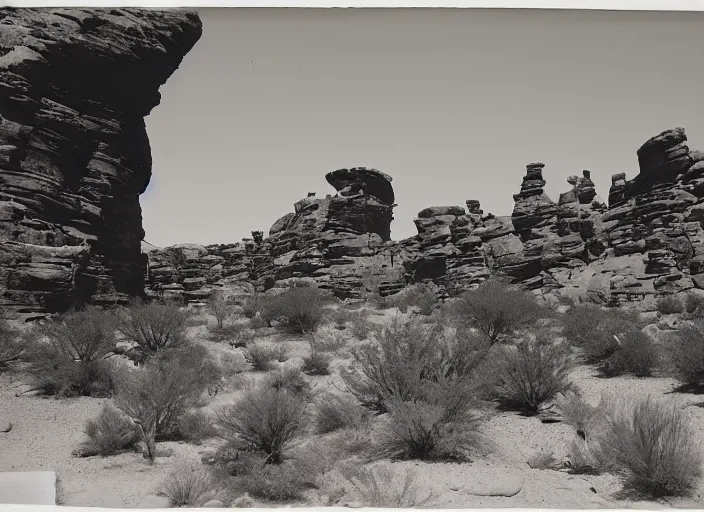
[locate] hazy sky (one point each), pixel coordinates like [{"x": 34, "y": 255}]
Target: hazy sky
[{"x": 451, "y": 103}]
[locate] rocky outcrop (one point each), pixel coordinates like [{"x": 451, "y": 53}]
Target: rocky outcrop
[
  {"x": 648, "y": 241},
  {"x": 75, "y": 86}
]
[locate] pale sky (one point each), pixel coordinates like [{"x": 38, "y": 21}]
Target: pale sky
[{"x": 452, "y": 103}]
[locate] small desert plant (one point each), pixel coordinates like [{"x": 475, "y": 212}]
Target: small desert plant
[
  {"x": 418, "y": 296},
  {"x": 497, "y": 308},
  {"x": 66, "y": 355},
  {"x": 220, "y": 309},
  {"x": 229, "y": 333},
  {"x": 152, "y": 326},
  {"x": 328, "y": 342},
  {"x": 10, "y": 347},
  {"x": 110, "y": 433},
  {"x": 531, "y": 374},
  {"x": 156, "y": 395},
  {"x": 652, "y": 445},
  {"x": 289, "y": 379},
  {"x": 316, "y": 362},
  {"x": 579, "y": 414},
  {"x": 265, "y": 419},
  {"x": 340, "y": 317},
  {"x": 586, "y": 457},
  {"x": 543, "y": 459},
  {"x": 261, "y": 356},
  {"x": 334, "y": 412},
  {"x": 636, "y": 354},
  {"x": 670, "y": 305},
  {"x": 195, "y": 426},
  {"x": 436, "y": 427},
  {"x": 188, "y": 486},
  {"x": 299, "y": 308},
  {"x": 378, "y": 487},
  {"x": 276, "y": 483},
  {"x": 688, "y": 354}
]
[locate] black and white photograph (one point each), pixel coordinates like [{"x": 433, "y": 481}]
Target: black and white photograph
[{"x": 373, "y": 257}]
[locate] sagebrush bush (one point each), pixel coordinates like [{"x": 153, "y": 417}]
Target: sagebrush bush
[
  {"x": 652, "y": 444},
  {"x": 195, "y": 426},
  {"x": 157, "y": 394},
  {"x": 299, "y": 308},
  {"x": 227, "y": 333},
  {"x": 265, "y": 419},
  {"x": 687, "y": 354},
  {"x": 276, "y": 483},
  {"x": 531, "y": 374},
  {"x": 66, "y": 355},
  {"x": 153, "y": 326},
  {"x": 109, "y": 434},
  {"x": 327, "y": 342},
  {"x": 694, "y": 303},
  {"x": 579, "y": 414},
  {"x": 497, "y": 308},
  {"x": 362, "y": 328},
  {"x": 636, "y": 354},
  {"x": 261, "y": 356},
  {"x": 289, "y": 379},
  {"x": 316, "y": 362},
  {"x": 406, "y": 356},
  {"x": 188, "y": 486},
  {"x": 670, "y": 305},
  {"x": 219, "y": 308},
  {"x": 419, "y": 296},
  {"x": 379, "y": 487},
  {"x": 587, "y": 457},
  {"x": 335, "y": 412}
]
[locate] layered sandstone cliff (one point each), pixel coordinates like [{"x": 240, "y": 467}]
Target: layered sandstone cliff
[{"x": 75, "y": 86}]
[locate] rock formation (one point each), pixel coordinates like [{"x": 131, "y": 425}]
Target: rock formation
[
  {"x": 75, "y": 86},
  {"x": 646, "y": 242}
]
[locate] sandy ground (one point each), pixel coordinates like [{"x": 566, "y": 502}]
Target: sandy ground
[{"x": 45, "y": 431}]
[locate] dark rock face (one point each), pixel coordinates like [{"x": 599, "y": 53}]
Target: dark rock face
[
  {"x": 647, "y": 242},
  {"x": 75, "y": 85}
]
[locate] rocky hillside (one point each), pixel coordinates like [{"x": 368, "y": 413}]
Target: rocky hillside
[
  {"x": 75, "y": 85},
  {"x": 647, "y": 241}
]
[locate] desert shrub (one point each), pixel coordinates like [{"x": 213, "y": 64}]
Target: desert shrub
[
  {"x": 362, "y": 328},
  {"x": 188, "y": 486},
  {"x": 265, "y": 419},
  {"x": 288, "y": 379},
  {"x": 579, "y": 414},
  {"x": 340, "y": 317},
  {"x": 110, "y": 433},
  {"x": 407, "y": 355},
  {"x": 694, "y": 303},
  {"x": 11, "y": 349},
  {"x": 419, "y": 296},
  {"x": 299, "y": 308},
  {"x": 378, "y": 487},
  {"x": 66, "y": 354},
  {"x": 497, "y": 308},
  {"x": 334, "y": 412},
  {"x": 688, "y": 354},
  {"x": 670, "y": 305},
  {"x": 327, "y": 342},
  {"x": 153, "y": 326},
  {"x": 316, "y": 362},
  {"x": 196, "y": 426},
  {"x": 277, "y": 483},
  {"x": 586, "y": 457},
  {"x": 261, "y": 356},
  {"x": 543, "y": 459},
  {"x": 437, "y": 427},
  {"x": 219, "y": 308},
  {"x": 531, "y": 374},
  {"x": 636, "y": 354},
  {"x": 652, "y": 445},
  {"x": 160, "y": 392},
  {"x": 230, "y": 333}
]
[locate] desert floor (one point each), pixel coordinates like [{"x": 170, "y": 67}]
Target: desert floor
[{"x": 46, "y": 430}]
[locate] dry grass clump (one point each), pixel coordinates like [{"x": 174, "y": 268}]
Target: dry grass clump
[
  {"x": 531, "y": 374},
  {"x": 687, "y": 354},
  {"x": 289, "y": 379},
  {"x": 419, "y": 297},
  {"x": 109, "y": 434},
  {"x": 154, "y": 327},
  {"x": 299, "y": 308},
  {"x": 497, "y": 308},
  {"x": 652, "y": 445},
  {"x": 188, "y": 486},
  {"x": 636, "y": 354},
  {"x": 195, "y": 427},
  {"x": 262, "y": 356},
  {"x": 66, "y": 355},
  {"x": 694, "y": 304},
  {"x": 266, "y": 420},
  {"x": 379, "y": 487},
  {"x": 11, "y": 349},
  {"x": 316, "y": 362},
  {"x": 335, "y": 412}
]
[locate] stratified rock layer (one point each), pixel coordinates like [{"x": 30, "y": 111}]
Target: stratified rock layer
[
  {"x": 75, "y": 86},
  {"x": 648, "y": 241}
]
